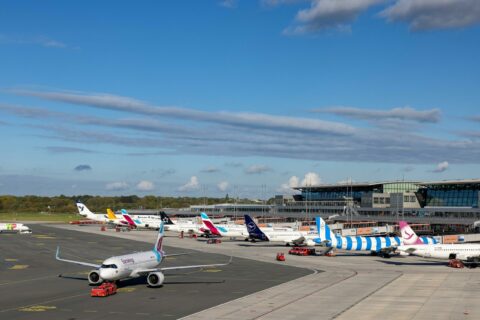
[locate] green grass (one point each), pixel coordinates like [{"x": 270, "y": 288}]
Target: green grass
[{"x": 38, "y": 216}]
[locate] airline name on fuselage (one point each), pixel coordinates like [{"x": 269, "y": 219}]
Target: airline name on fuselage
[{"x": 128, "y": 261}]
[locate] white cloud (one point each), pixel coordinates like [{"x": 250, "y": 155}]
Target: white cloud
[
  {"x": 287, "y": 188},
  {"x": 311, "y": 179},
  {"x": 368, "y": 144},
  {"x": 257, "y": 169},
  {"x": 230, "y": 4},
  {"x": 442, "y": 166},
  {"x": 191, "y": 185},
  {"x": 434, "y": 14},
  {"x": 328, "y": 14},
  {"x": 223, "y": 186},
  {"x": 145, "y": 185},
  {"x": 116, "y": 186}
]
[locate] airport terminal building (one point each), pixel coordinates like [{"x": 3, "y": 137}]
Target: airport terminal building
[
  {"x": 454, "y": 202},
  {"x": 442, "y": 202}
]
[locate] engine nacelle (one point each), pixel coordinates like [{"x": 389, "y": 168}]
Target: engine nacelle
[
  {"x": 310, "y": 243},
  {"x": 94, "y": 277},
  {"x": 155, "y": 279}
]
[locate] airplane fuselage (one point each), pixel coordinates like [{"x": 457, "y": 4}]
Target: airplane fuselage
[
  {"x": 444, "y": 251},
  {"x": 123, "y": 267},
  {"x": 14, "y": 227}
]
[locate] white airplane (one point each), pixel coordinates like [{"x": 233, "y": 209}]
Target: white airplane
[
  {"x": 179, "y": 226},
  {"x": 468, "y": 253},
  {"x": 147, "y": 222},
  {"x": 223, "y": 230},
  {"x": 135, "y": 265},
  {"x": 14, "y": 227},
  {"x": 288, "y": 237},
  {"x": 85, "y": 212}
]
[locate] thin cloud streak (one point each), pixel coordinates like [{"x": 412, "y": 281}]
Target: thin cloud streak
[
  {"x": 244, "y": 120},
  {"x": 404, "y": 113}
]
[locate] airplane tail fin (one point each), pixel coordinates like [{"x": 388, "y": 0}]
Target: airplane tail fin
[
  {"x": 323, "y": 230},
  {"x": 408, "y": 235},
  {"x": 209, "y": 224},
  {"x": 253, "y": 230},
  {"x": 83, "y": 210},
  {"x": 129, "y": 219},
  {"x": 111, "y": 214},
  {"x": 166, "y": 219},
  {"x": 158, "y": 248}
]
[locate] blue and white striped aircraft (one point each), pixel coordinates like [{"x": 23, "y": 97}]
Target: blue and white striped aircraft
[{"x": 382, "y": 246}]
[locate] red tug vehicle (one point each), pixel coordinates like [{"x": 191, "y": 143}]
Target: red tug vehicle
[
  {"x": 302, "y": 251},
  {"x": 280, "y": 256},
  {"x": 104, "y": 290}
]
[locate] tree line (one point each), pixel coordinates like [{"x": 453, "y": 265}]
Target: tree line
[{"x": 66, "y": 204}]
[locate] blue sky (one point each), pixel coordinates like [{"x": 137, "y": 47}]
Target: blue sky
[{"x": 247, "y": 98}]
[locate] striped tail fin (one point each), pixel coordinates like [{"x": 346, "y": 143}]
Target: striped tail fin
[{"x": 324, "y": 232}]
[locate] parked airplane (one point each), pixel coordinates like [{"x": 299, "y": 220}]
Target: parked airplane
[
  {"x": 468, "y": 253},
  {"x": 135, "y": 265},
  {"x": 85, "y": 212},
  {"x": 223, "y": 230},
  {"x": 180, "y": 225},
  {"x": 14, "y": 228},
  {"x": 382, "y": 246},
  {"x": 148, "y": 222},
  {"x": 410, "y": 237},
  {"x": 275, "y": 235}
]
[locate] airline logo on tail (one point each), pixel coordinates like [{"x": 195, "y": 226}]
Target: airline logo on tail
[
  {"x": 323, "y": 230},
  {"x": 165, "y": 218},
  {"x": 209, "y": 224},
  {"x": 128, "y": 218},
  {"x": 253, "y": 230},
  {"x": 410, "y": 237}
]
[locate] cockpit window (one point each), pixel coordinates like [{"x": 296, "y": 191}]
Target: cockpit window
[{"x": 107, "y": 266}]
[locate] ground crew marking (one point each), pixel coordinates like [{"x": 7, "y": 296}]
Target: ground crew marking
[
  {"x": 37, "y": 308},
  {"x": 19, "y": 267}
]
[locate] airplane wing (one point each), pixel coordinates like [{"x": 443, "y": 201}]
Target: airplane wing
[
  {"x": 298, "y": 241},
  {"x": 175, "y": 254},
  {"x": 388, "y": 250},
  {"x": 145, "y": 271},
  {"x": 57, "y": 256},
  {"x": 407, "y": 250}
]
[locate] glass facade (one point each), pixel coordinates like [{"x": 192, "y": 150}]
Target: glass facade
[
  {"x": 437, "y": 194},
  {"x": 450, "y": 197}
]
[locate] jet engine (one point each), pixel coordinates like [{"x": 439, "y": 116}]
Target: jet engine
[
  {"x": 310, "y": 242},
  {"x": 155, "y": 279},
  {"x": 94, "y": 277}
]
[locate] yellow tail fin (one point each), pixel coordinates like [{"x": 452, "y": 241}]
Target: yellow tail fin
[{"x": 110, "y": 214}]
